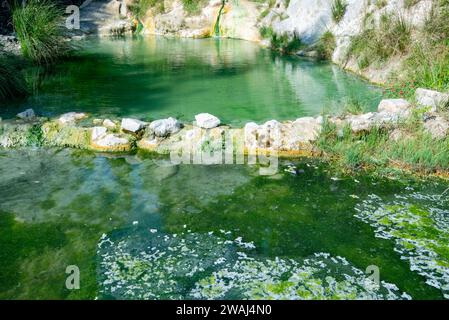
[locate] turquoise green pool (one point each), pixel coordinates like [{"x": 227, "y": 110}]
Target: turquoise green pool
[
  {"x": 138, "y": 227},
  {"x": 151, "y": 78}
]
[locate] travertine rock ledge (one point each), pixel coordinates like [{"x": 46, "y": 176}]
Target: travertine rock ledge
[{"x": 165, "y": 136}]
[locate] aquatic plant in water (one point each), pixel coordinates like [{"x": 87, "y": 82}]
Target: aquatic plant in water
[
  {"x": 156, "y": 265},
  {"x": 420, "y": 232}
]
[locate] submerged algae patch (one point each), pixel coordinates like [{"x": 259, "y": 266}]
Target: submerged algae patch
[
  {"x": 188, "y": 265},
  {"x": 419, "y": 225}
]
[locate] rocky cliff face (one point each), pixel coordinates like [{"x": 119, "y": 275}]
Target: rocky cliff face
[
  {"x": 238, "y": 19},
  {"x": 309, "y": 19}
]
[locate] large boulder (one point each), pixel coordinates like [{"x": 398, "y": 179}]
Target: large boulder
[
  {"x": 394, "y": 106},
  {"x": 307, "y": 129},
  {"x": 132, "y": 125},
  {"x": 433, "y": 99},
  {"x": 165, "y": 127},
  {"x": 207, "y": 121}
]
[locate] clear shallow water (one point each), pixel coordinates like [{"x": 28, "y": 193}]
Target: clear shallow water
[
  {"x": 213, "y": 231},
  {"x": 152, "y": 78}
]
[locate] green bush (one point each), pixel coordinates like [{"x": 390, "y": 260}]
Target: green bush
[
  {"x": 286, "y": 44},
  {"x": 38, "y": 26},
  {"x": 326, "y": 46}
]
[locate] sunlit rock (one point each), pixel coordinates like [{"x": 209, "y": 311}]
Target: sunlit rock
[
  {"x": 394, "y": 106},
  {"x": 165, "y": 127},
  {"x": 109, "y": 124},
  {"x": 98, "y": 132},
  {"x": 71, "y": 117},
  {"x": 132, "y": 125},
  {"x": 207, "y": 121},
  {"x": 362, "y": 122},
  {"x": 306, "y": 129},
  {"x": 430, "y": 98},
  {"x": 112, "y": 143}
]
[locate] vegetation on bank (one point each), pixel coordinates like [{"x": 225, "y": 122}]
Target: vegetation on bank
[
  {"x": 283, "y": 43},
  {"x": 425, "y": 51},
  {"x": 140, "y": 7},
  {"x": 38, "y": 26},
  {"x": 405, "y": 146}
]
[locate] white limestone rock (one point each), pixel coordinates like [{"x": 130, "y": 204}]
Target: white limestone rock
[
  {"x": 165, "y": 127},
  {"x": 132, "y": 125},
  {"x": 98, "y": 132},
  {"x": 437, "y": 126},
  {"x": 394, "y": 106},
  {"x": 306, "y": 129},
  {"x": 433, "y": 99},
  {"x": 109, "y": 124},
  {"x": 207, "y": 121},
  {"x": 111, "y": 141},
  {"x": 71, "y": 117},
  {"x": 27, "y": 114}
]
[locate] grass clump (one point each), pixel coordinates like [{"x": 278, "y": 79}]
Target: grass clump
[
  {"x": 338, "y": 10},
  {"x": 377, "y": 43},
  {"x": 376, "y": 151},
  {"x": 12, "y": 82},
  {"x": 285, "y": 43},
  {"x": 326, "y": 46},
  {"x": 39, "y": 28},
  {"x": 428, "y": 62}
]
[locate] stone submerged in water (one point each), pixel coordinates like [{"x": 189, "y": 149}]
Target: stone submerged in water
[
  {"x": 430, "y": 98},
  {"x": 207, "y": 121},
  {"x": 132, "y": 125},
  {"x": 27, "y": 114},
  {"x": 165, "y": 127}
]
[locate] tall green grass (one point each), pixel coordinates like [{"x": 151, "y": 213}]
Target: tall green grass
[
  {"x": 39, "y": 28},
  {"x": 376, "y": 150},
  {"x": 338, "y": 10},
  {"x": 378, "y": 42}
]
